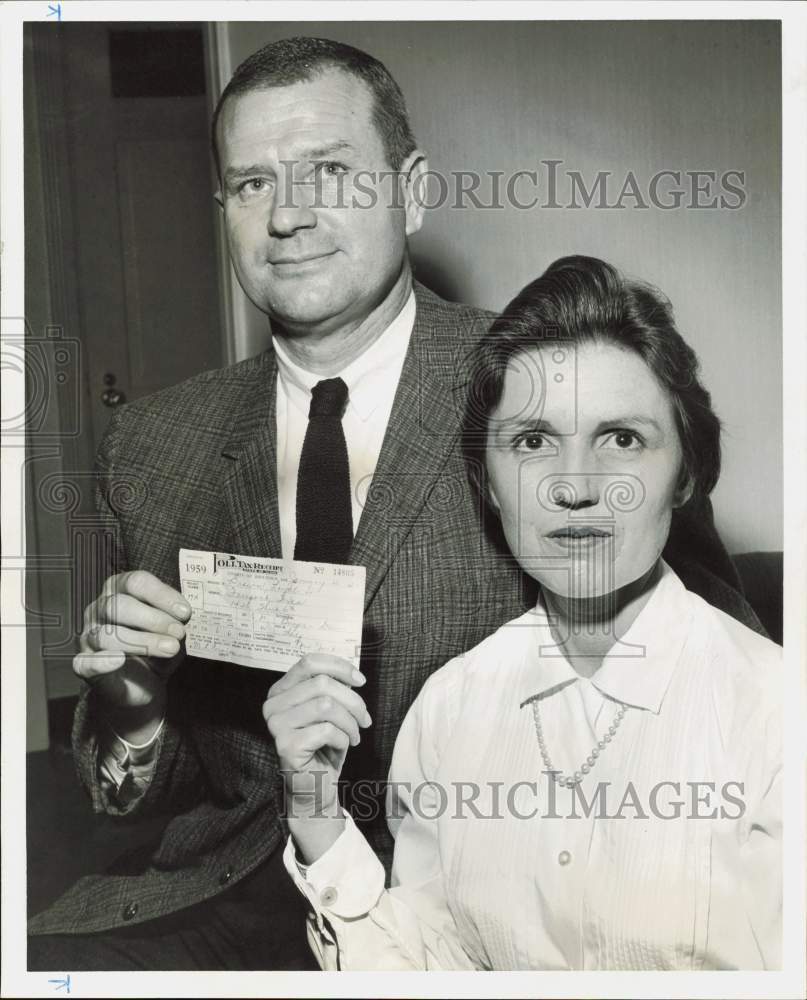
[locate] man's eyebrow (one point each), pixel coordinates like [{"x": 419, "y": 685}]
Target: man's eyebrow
[
  {"x": 240, "y": 173},
  {"x": 305, "y": 155},
  {"x": 318, "y": 152}
]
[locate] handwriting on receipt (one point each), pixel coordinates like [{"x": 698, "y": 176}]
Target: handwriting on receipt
[{"x": 267, "y": 613}]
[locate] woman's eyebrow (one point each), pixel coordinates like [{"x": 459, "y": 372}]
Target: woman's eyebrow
[
  {"x": 632, "y": 420},
  {"x": 519, "y": 423}
]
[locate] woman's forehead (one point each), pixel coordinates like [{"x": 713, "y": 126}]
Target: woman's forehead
[{"x": 591, "y": 381}]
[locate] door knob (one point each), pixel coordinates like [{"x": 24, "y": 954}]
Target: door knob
[{"x": 112, "y": 396}]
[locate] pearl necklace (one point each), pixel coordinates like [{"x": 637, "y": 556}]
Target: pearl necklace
[{"x": 591, "y": 759}]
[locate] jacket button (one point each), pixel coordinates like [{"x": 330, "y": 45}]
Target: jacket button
[
  {"x": 226, "y": 875},
  {"x": 130, "y": 911}
]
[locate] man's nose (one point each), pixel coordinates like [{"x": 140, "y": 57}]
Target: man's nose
[{"x": 291, "y": 209}]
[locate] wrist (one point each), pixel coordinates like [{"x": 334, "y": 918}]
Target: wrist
[
  {"x": 137, "y": 724},
  {"x": 313, "y": 835}
]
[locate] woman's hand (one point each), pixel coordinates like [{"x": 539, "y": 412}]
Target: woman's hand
[{"x": 314, "y": 715}]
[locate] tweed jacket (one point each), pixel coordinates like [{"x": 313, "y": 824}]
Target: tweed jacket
[{"x": 194, "y": 467}]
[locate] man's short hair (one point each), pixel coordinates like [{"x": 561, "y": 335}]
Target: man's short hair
[{"x": 295, "y": 60}]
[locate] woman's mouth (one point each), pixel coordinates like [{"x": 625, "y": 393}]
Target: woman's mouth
[{"x": 582, "y": 536}]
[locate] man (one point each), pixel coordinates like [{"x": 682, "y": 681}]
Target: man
[{"x": 364, "y": 384}]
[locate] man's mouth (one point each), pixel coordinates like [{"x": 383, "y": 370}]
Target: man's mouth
[{"x": 299, "y": 261}]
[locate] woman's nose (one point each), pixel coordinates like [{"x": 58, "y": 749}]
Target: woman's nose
[{"x": 574, "y": 491}]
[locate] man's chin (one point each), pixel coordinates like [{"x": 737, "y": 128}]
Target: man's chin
[{"x": 302, "y": 313}]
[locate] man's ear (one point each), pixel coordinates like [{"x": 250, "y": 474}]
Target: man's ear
[
  {"x": 218, "y": 197},
  {"x": 412, "y": 182}
]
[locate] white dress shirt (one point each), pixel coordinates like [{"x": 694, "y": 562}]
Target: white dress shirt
[
  {"x": 371, "y": 380},
  {"x": 533, "y": 882}
]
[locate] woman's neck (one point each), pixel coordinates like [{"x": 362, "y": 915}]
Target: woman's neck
[{"x": 586, "y": 628}]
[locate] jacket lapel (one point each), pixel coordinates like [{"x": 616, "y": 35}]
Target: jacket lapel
[
  {"x": 250, "y": 488},
  {"x": 422, "y": 431}
]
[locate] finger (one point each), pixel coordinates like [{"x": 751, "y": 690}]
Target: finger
[
  {"x": 315, "y": 664},
  {"x": 302, "y": 744},
  {"x": 117, "y": 638},
  {"x": 315, "y": 687},
  {"x": 123, "y": 609},
  {"x": 322, "y": 709},
  {"x": 90, "y": 665},
  {"x": 146, "y": 587}
]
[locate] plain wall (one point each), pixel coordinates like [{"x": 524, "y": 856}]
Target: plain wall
[{"x": 619, "y": 97}]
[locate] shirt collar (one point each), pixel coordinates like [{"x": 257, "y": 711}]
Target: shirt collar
[
  {"x": 370, "y": 379},
  {"x": 637, "y": 671}
]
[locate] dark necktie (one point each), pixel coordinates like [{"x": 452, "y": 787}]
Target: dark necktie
[{"x": 324, "y": 518}]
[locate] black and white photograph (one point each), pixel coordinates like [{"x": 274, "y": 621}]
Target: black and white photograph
[{"x": 403, "y": 504}]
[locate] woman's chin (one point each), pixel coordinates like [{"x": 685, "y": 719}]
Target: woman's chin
[{"x": 579, "y": 582}]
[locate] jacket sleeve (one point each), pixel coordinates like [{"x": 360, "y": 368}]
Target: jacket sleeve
[{"x": 175, "y": 777}]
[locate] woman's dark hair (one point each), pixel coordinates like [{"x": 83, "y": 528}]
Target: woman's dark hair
[
  {"x": 294, "y": 60},
  {"x": 585, "y": 300}
]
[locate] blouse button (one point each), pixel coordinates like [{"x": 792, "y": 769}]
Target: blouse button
[
  {"x": 564, "y": 858},
  {"x": 328, "y": 896},
  {"x": 130, "y": 911}
]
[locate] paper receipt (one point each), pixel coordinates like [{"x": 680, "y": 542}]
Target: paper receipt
[{"x": 268, "y": 613}]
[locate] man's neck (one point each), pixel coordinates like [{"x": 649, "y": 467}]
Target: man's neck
[
  {"x": 587, "y": 628},
  {"x": 329, "y": 351}
]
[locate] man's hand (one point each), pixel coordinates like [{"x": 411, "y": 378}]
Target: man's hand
[
  {"x": 130, "y": 645},
  {"x": 314, "y": 715}
]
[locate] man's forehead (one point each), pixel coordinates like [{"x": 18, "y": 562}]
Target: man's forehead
[{"x": 331, "y": 96}]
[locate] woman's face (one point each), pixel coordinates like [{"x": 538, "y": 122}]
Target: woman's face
[{"x": 583, "y": 458}]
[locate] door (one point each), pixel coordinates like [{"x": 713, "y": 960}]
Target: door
[{"x": 122, "y": 267}]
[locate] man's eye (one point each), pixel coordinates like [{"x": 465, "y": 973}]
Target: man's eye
[
  {"x": 254, "y": 186},
  {"x": 330, "y": 168},
  {"x": 622, "y": 440}
]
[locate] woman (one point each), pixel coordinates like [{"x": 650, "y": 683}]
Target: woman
[{"x": 596, "y": 785}]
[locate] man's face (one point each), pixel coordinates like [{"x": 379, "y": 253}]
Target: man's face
[
  {"x": 583, "y": 466},
  {"x": 309, "y": 247}
]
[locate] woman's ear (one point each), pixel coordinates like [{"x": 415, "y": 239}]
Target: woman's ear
[
  {"x": 493, "y": 500},
  {"x": 684, "y": 490}
]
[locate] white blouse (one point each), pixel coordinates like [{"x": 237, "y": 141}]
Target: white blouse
[{"x": 667, "y": 856}]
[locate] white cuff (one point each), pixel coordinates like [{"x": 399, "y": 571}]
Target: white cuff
[
  {"x": 346, "y": 881},
  {"x": 134, "y": 751}
]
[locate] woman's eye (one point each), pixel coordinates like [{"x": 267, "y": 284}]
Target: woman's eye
[
  {"x": 531, "y": 441},
  {"x": 623, "y": 441}
]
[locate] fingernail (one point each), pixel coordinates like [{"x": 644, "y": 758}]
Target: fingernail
[
  {"x": 358, "y": 677},
  {"x": 176, "y": 629},
  {"x": 168, "y": 646},
  {"x": 367, "y": 720},
  {"x": 181, "y": 610}
]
